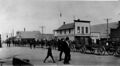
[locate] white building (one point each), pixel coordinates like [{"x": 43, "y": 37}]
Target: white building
[
  {"x": 95, "y": 36},
  {"x": 78, "y": 30}
]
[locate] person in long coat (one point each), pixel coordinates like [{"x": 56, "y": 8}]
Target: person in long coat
[
  {"x": 60, "y": 48},
  {"x": 66, "y": 51}
]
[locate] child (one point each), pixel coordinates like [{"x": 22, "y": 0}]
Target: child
[{"x": 49, "y": 53}]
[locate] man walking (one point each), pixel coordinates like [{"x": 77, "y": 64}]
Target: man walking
[{"x": 49, "y": 53}]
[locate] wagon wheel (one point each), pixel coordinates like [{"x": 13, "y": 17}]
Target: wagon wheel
[
  {"x": 83, "y": 49},
  {"x": 101, "y": 51},
  {"x": 111, "y": 51},
  {"x": 92, "y": 51},
  {"x": 118, "y": 51},
  {"x": 72, "y": 47}
]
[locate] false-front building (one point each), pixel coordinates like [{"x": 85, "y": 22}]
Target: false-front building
[
  {"x": 78, "y": 30},
  {"x": 115, "y": 33}
]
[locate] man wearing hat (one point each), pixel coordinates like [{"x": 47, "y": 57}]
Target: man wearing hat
[{"x": 67, "y": 51}]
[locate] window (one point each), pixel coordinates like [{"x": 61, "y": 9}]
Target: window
[
  {"x": 82, "y": 30},
  {"x": 56, "y": 32},
  {"x": 60, "y": 32},
  {"x": 86, "y": 29},
  {"x": 78, "y": 29},
  {"x": 69, "y": 31},
  {"x": 64, "y": 31}
]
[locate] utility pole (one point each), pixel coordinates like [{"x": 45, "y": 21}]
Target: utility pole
[
  {"x": 13, "y": 33},
  {"x": 107, "y": 27},
  {"x": 42, "y": 28}
]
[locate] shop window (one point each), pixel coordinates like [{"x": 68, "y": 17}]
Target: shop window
[
  {"x": 78, "y": 29},
  {"x": 82, "y": 30},
  {"x": 86, "y": 29},
  {"x": 69, "y": 31},
  {"x": 64, "y": 31}
]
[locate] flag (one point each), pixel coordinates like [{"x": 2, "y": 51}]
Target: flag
[
  {"x": 60, "y": 14},
  {"x": 24, "y": 29}
]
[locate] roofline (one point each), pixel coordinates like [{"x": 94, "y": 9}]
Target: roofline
[
  {"x": 63, "y": 29},
  {"x": 27, "y": 31},
  {"x": 81, "y": 21}
]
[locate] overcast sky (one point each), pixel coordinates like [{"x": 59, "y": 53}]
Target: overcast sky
[{"x": 31, "y": 14}]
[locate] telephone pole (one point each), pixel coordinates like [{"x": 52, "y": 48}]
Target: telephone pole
[
  {"x": 107, "y": 27},
  {"x": 13, "y": 33},
  {"x": 42, "y": 28}
]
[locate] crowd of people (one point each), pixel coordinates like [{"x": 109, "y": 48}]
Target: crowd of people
[
  {"x": 62, "y": 45},
  {"x": 32, "y": 43}
]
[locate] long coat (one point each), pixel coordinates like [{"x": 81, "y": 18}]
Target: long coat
[{"x": 66, "y": 48}]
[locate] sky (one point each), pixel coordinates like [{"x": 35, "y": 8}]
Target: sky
[{"x": 15, "y": 15}]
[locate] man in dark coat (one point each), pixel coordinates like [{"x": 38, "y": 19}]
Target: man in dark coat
[
  {"x": 66, "y": 51},
  {"x": 60, "y": 48}
]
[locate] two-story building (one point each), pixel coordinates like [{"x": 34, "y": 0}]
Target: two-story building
[
  {"x": 78, "y": 30},
  {"x": 115, "y": 33}
]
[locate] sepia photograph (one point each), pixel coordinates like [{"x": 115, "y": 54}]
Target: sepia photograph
[{"x": 59, "y": 32}]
